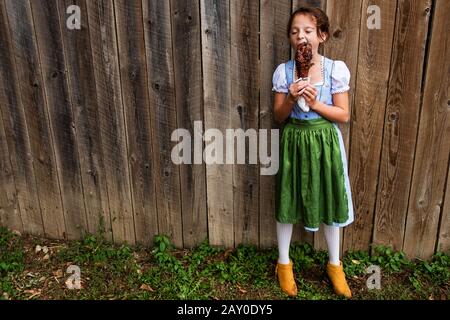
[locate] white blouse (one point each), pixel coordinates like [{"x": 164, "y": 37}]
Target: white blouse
[{"x": 340, "y": 78}]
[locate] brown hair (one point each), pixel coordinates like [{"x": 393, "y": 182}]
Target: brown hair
[{"x": 320, "y": 18}]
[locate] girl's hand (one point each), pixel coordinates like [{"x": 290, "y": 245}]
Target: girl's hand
[
  {"x": 310, "y": 94},
  {"x": 296, "y": 90}
]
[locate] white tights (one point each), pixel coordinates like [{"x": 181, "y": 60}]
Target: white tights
[{"x": 284, "y": 235}]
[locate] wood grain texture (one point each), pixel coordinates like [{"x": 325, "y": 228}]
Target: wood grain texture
[
  {"x": 9, "y": 203},
  {"x": 62, "y": 122},
  {"x": 17, "y": 138},
  {"x": 216, "y": 62},
  {"x": 245, "y": 116},
  {"x": 274, "y": 49},
  {"x": 401, "y": 122},
  {"x": 375, "y": 49},
  {"x": 81, "y": 80},
  {"x": 345, "y": 25},
  {"x": 161, "y": 86},
  {"x": 36, "y": 113},
  {"x": 433, "y": 144},
  {"x": 443, "y": 243},
  {"x": 136, "y": 104},
  {"x": 110, "y": 112},
  {"x": 186, "y": 44},
  {"x": 322, "y": 4}
]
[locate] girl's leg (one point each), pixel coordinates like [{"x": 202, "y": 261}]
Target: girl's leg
[
  {"x": 285, "y": 268},
  {"x": 335, "y": 268},
  {"x": 332, "y": 237},
  {"x": 284, "y": 234}
]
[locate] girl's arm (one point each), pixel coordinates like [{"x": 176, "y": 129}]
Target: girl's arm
[
  {"x": 283, "y": 103},
  {"x": 282, "y": 106},
  {"x": 339, "y": 112}
]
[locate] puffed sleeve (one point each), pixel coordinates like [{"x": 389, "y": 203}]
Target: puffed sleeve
[
  {"x": 279, "y": 80},
  {"x": 340, "y": 77}
]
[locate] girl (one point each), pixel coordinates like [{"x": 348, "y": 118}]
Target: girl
[{"x": 312, "y": 182}]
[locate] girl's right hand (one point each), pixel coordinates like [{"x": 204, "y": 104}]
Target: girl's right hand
[{"x": 296, "y": 89}]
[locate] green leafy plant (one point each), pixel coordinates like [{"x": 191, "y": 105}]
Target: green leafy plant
[
  {"x": 356, "y": 263},
  {"x": 388, "y": 259}
]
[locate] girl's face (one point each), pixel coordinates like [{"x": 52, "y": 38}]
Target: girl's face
[{"x": 303, "y": 29}]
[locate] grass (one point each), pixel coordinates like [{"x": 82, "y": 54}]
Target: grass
[{"x": 36, "y": 268}]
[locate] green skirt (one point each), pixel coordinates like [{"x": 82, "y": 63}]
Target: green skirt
[{"x": 311, "y": 179}]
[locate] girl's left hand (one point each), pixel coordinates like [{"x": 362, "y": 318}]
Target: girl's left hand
[{"x": 310, "y": 94}]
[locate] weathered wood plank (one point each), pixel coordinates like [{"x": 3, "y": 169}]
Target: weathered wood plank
[
  {"x": 130, "y": 34},
  {"x": 161, "y": 86},
  {"x": 274, "y": 49},
  {"x": 9, "y": 203},
  {"x": 17, "y": 139},
  {"x": 186, "y": 42},
  {"x": 111, "y": 114},
  {"x": 443, "y": 244},
  {"x": 62, "y": 122},
  {"x": 367, "y": 120},
  {"x": 216, "y": 61},
  {"x": 322, "y": 4},
  {"x": 36, "y": 112},
  {"x": 81, "y": 80},
  {"x": 433, "y": 144},
  {"x": 401, "y": 122},
  {"x": 244, "y": 114},
  {"x": 343, "y": 43}
]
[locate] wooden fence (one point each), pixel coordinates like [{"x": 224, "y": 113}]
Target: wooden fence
[{"x": 87, "y": 116}]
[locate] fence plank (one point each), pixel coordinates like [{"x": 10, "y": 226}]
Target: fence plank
[
  {"x": 110, "y": 111},
  {"x": 401, "y": 121},
  {"x": 433, "y": 144},
  {"x": 9, "y": 204},
  {"x": 368, "y": 114},
  {"x": 189, "y": 101},
  {"x": 274, "y": 49},
  {"x": 244, "y": 114},
  {"x": 82, "y": 92},
  {"x": 16, "y": 131},
  {"x": 51, "y": 55},
  {"x": 158, "y": 38},
  {"x": 443, "y": 244},
  {"x": 217, "y": 100},
  {"x": 345, "y": 21},
  {"x": 322, "y": 4},
  {"x": 129, "y": 24},
  {"x": 33, "y": 99}
]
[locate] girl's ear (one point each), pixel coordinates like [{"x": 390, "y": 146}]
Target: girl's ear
[{"x": 323, "y": 36}]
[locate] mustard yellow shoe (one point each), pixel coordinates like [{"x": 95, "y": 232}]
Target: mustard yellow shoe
[
  {"x": 286, "y": 278},
  {"x": 337, "y": 277}
]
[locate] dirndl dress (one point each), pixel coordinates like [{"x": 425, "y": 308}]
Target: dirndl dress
[{"x": 312, "y": 184}]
